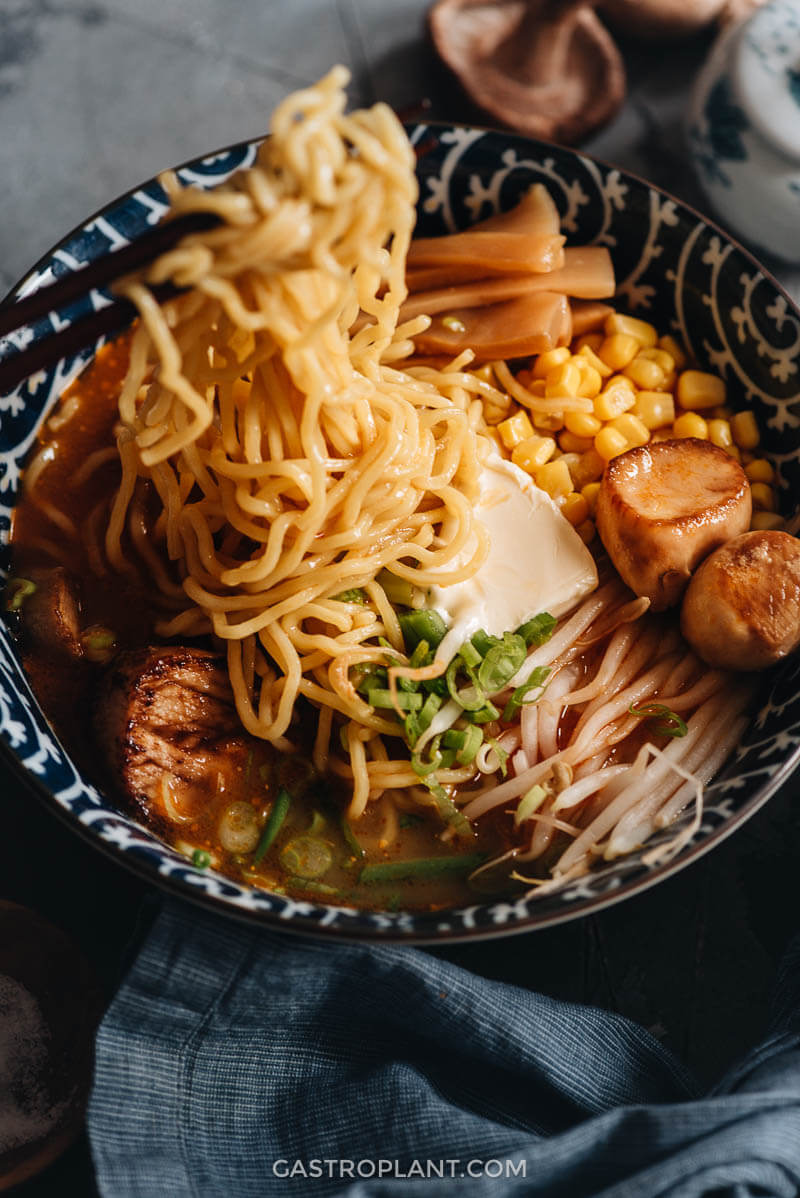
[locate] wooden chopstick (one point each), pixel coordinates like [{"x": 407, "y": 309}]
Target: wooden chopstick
[{"x": 95, "y": 276}]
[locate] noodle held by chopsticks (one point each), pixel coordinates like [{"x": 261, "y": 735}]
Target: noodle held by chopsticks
[{"x": 291, "y": 464}]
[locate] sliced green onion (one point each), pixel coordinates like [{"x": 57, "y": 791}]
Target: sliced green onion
[
  {"x": 535, "y": 681},
  {"x": 538, "y": 630},
  {"x": 420, "y": 867},
  {"x": 448, "y": 812},
  {"x": 466, "y": 743},
  {"x": 423, "y": 768},
  {"x": 665, "y": 721},
  {"x": 470, "y": 655},
  {"x": 201, "y": 859},
  {"x": 530, "y": 802},
  {"x": 482, "y": 642},
  {"x": 398, "y": 591},
  {"x": 501, "y": 754},
  {"x": 365, "y": 676},
  {"x": 351, "y": 839},
  {"x": 425, "y": 624},
  {"x": 420, "y": 655},
  {"x": 17, "y": 591},
  {"x": 273, "y": 825},
  {"x": 99, "y": 643},
  {"x": 353, "y": 595},
  {"x": 306, "y": 857},
  {"x": 470, "y": 698},
  {"x": 318, "y": 824},
  {"x": 402, "y": 701},
  {"x": 484, "y": 715},
  {"x": 501, "y": 663}
]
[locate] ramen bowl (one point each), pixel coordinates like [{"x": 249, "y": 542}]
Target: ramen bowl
[{"x": 673, "y": 268}]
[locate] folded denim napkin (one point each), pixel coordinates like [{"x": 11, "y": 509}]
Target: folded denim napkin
[{"x": 237, "y": 1062}]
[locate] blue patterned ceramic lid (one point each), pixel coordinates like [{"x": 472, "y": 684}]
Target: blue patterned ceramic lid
[{"x": 765, "y": 71}]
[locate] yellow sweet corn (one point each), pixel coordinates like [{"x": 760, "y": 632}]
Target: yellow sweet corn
[
  {"x": 569, "y": 443},
  {"x": 766, "y": 521},
  {"x": 582, "y": 424},
  {"x": 655, "y": 409},
  {"x": 646, "y": 373},
  {"x": 564, "y": 379},
  {"x": 589, "y": 468},
  {"x": 618, "y": 350},
  {"x": 554, "y": 478},
  {"x": 674, "y": 350},
  {"x": 698, "y": 389},
  {"x": 763, "y": 496},
  {"x": 613, "y": 400},
  {"x": 631, "y": 428},
  {"x": 532, "y": 453},
  {"x": 550, "y": 358},
  {"x": 591, "y": 380},
  {"x": 745, "y": 430},
  {"x": 719, "y": 433},
  {"x": 575, "y": 508},
  {"x": 515, "y": 429},
  {"x": 586, "y": 531},
  {"x": 590, "y": 341},
  {"x": 630, "y": 326},
  {"x": 689, "y": 424},
  {"x": 588, "y": 352},
  {"x": 759, "y": 470},
  {"x": 589, "y": 493},
  {"x": 610, "y": 443}
]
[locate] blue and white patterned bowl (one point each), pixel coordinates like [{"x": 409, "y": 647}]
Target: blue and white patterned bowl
[{"x": 673, "y": 268}]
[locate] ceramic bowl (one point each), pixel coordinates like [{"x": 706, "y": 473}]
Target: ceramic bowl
[
  {"x": 673, "y": 268},
  {"x": 744, "y": 128}
]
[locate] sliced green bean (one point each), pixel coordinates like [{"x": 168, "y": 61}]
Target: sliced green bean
[
  {"x": 351, "y": 839},
  {"x": 273, "y": 825},
  {"x": 420, "y": 867}
]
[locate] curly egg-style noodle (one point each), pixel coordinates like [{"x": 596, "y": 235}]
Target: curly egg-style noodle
[{"x": 290, "y": 461}]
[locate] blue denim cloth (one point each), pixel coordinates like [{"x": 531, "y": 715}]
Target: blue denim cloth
[{"x": 236, "y": 1062}]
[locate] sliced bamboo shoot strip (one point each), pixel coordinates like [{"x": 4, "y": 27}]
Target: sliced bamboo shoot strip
[
  {"x": 493, "y": 252},
  {"x": 530, "y": 324}
]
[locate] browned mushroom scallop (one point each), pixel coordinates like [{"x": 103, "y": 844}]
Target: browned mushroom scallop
[
  {"x": 741, "y": 610},
  {"x": 662, "y": 508}
]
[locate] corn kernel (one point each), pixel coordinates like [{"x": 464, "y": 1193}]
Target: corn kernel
[
  {"x": 763, "y": 496},
  {"x": 689, "y": 424},
  {"x": 591, "y": 382},
  {"x": 569, "y": 443},
  {"x": 610, "y": 443},
  {"x": 631, "y": 428},
  {"x": 536, "y": 387},
  {"x": 759, "y": 471},
  {"x": 582, "y": 424},
  {"x": 659, "y": 356},
  {"x": 673, "y": 349},
  {"x": 630, "y": 326},
  {"x": 654, "y": 408},
  {"x": 563, "y": 380},
  {"x": 586, "y": 531},
  {"x": 646, "y": 374},
  {"x": 698, "y": 389},
  {"x": 515, "y": 429},
  {"x": 589, "y": 468},
  {"x": 554, "y": 478},
  {"x": 745, "y": 430},
  {"x": 591, "y": 341},
  {"x": 494, "y": 437},
  {"x": 550, "y": 358},
  {"x": 588, "y": 352},
  {"x": 532, "y": 453},
  {"x": 486, "y": 374},
  {"x": 613, "y": 401},
  {"x": 719, "y": 433},
  {"x": 618, "y": 350},
  {"x": 571, "y": 461},
  {"x": 589, "y": 493},
  {"x": 548, "y": 422},
  {"x": 575, "y": 508},
  {"x": 733, "y": 451},
  {"x": 661, "y": 434},
  {"x": 493, "y": 413},
  {"x": 766, "y": 520}
]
